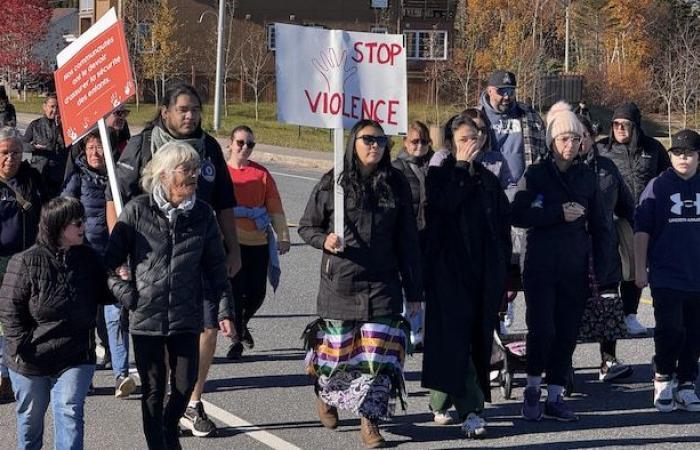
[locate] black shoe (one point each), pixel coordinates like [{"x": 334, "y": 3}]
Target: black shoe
[
  {"x": 197, "y": 421},
  {"x": 247, "y": 339},
  {"x": 235, "y": 351}
]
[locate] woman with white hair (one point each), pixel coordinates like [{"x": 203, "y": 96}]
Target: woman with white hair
[
  {"x": 559, "y": 204},
  {"x": 172, "y": 242}
]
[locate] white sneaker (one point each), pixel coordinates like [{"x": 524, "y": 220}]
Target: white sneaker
[
  {"x": 474, "y": 427},
  {"x": 633, "y": 325},
  {"x": 442, "y": 418},
  {"x": 686, "y": 398},
  {"x": 663, "y": 394}
]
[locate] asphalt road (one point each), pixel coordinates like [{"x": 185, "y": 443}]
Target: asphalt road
[{"x": 266, "y": 400}]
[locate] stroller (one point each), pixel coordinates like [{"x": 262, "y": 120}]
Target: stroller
[{"x": 509, "y": 355}]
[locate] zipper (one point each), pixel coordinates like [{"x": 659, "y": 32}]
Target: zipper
[{"x": 328, "y": 267}]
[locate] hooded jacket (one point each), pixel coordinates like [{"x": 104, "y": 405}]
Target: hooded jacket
[
  {"x": 641, "y": 159},
  {"x": 88, "y": 186},
  {"x": 518, "y": 134}
]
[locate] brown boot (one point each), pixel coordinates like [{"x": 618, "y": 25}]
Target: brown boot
[
  {"x": 6, "y": 393},
  {"x": 327, "y": 414},
  {"x": 369, "y": 431}
]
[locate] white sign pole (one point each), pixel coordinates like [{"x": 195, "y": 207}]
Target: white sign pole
[
  {"x": 338, "y": 195},
  {"x": 109, "y": 162}
]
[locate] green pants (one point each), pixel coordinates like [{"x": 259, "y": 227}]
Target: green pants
[{"x": 471, "y": 402}]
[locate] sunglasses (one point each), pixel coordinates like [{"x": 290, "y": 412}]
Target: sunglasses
[
  {"x": 240, "y": 143},
  {"x": 682, "y": 152},
  {"x": 620, "y": 124},
  {"x": 368, "y": 140},
  {"x": 506, "y": 91},
  {"x": 419, "y": 141}
]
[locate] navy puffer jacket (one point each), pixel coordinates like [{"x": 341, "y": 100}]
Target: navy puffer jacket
[{"x": 88, "y": 186}]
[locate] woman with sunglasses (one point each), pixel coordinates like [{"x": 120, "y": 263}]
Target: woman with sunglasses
[
  {"x": 48, "y": 304},
  {"x": 259, "y": 218},
  {"x": 413, "y": 161},
  {"x": 559, "y": 204},
  {"x": 358, "y": 345},
  {"x": 469, "y": 250},
  {"x": 164, "y": 251}
]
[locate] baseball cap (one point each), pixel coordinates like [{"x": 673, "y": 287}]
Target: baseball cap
[
  {"x": 502, "y": 78},
  {"x": 687, "y": 140}
]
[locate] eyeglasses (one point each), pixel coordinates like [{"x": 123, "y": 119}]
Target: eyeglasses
[
  {"x": 682, "y": 152},
  {"x": 574, "y": 140},
  {"x": 95, "y": 148},
  {"x": 506, "y": 91},
  {"x": 621, "y": 124},
  {"x": 419, "y": 141},
  {"x": 188, "y": 172},
  {"x": 368, "y": 140},
  {"x": 240, "y": 143}
]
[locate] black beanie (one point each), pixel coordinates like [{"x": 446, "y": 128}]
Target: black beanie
[{"x": 629, "y": 111}]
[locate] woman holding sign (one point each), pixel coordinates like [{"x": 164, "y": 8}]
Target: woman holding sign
[{"x": 358, "y": 345}]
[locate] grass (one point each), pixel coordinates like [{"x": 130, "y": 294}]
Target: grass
[{"x": 269, "y": 131}]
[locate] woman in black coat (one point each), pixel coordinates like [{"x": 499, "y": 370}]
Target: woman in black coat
[
  {"x": 48, "y": 304},
  {"x": 363, "y": 273},
  {"x": 469, "y": 251},
  {"x": 172, "y": 243},
  {"x": 559, "y": 204}
]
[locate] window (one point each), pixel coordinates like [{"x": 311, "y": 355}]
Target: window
[
  {"x": 145, "y": 38},
  {"x": 271, "y": 37},
  {"x": 87, "y": 5},
  {"x": 426, "y": 45},
  {"x": 378, "y": 29}
]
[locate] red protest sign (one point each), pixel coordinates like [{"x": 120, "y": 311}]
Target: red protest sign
[{"x": 94, "y": 79}]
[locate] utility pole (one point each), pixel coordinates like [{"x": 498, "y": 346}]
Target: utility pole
[
  {"x": 219, "y": 64},
  {"x": 566, "y": 45}
]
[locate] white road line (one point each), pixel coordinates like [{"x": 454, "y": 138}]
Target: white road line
[
  {"x": 295, "y": 176},
  {"x": 247, "y": 428}
]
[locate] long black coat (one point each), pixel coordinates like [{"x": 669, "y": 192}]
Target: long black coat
[
  {"x": 381, "y": 253},
  {"x": 468, "y": 252}
]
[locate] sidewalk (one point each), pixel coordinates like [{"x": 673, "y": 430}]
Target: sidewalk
[{"x": 263, "y": 152}]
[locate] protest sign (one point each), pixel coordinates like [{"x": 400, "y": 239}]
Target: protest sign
[
  {"x": 93, "y": 77},
  {"x": 333, "y": 78}
]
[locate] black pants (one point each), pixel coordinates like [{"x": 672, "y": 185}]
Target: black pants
[
  {"x": 159, "y": 425},
  {"x": 630, "y": 294},
  {"x": 677, "y": 333},
  {"x": 555, "y": 305},
  {"x": 249, "y": 284}
]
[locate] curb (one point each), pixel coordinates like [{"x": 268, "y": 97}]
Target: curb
[{"x": 307, "y": 159}]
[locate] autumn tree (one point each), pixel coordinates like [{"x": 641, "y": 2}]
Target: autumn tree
[
  {"x": 24, "y": 24},
  {"x": 255, "y": 60},
  {"x": 162, "y": 53}
]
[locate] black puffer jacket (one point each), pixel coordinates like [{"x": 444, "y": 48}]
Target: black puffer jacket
[
  {"x": 381, "y": 253},
  {"x": 617, "y": 202},
  {"x": 640, "y": 160},
  {"x": 168, "y": 262},
  {"x": 48, "y": 305}
]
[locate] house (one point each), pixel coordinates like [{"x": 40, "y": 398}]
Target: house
[
  {"x": 425, "y": 24},
  {"x": 63, "y": 27}
]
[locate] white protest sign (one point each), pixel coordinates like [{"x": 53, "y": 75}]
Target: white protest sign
[{"x": 333, "y": 78}]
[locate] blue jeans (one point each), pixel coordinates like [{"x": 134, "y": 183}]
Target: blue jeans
[
  {"x": 118, "y": 342},
  {"x": 3, "y": 369},
  {"x": 67, "y": 394}
]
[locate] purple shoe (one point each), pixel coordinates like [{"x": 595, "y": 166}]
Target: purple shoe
[
  {"x": 532, "y": 409},
  {"x": 558, "y": 410}
]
